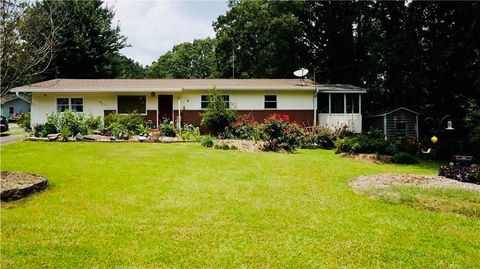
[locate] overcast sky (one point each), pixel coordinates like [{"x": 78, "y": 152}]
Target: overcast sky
[{"x": 153, "y": 27}]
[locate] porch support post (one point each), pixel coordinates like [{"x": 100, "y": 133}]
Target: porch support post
[{"x": 179, "y": 119}]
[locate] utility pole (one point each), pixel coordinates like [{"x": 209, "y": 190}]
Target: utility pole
[{"x": 233, "y": 60}]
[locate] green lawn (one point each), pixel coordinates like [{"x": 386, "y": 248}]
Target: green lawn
[{"x": 181, "y": 205}]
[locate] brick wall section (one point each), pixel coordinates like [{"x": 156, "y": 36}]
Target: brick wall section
[
  {"x": 302, "y": 117},
  {"x": 151, "y": 116}
]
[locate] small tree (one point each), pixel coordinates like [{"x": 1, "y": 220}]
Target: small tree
[{"x": 218, "y": 115}]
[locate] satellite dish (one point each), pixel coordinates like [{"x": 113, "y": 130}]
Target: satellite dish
[{"x": 301, "y": 73}]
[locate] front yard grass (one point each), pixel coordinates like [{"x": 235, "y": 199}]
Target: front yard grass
[{"x": 182, "y": 205}]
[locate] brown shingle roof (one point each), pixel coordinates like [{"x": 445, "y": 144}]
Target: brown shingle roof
[{"x": 59, "y": 85}]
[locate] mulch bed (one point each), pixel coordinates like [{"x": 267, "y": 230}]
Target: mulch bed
[
  {"x": 16, "y": 185},
  {"x": 383, "y": 181},
  {"x": 242, "y": 145},
  {"x": 371, "y": 158}
]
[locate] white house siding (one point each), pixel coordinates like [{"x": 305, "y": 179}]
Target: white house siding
[
  {"x": 252, "y": 100},
  {"x": 44, "y": 104}
]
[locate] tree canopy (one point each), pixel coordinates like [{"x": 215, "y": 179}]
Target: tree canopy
[{"x": 187, "y": 60}]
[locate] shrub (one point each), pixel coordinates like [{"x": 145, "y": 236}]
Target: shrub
[
  {"x": 372, "y": 142},
  {"x": 168, "y": 129},
  {"x": 190, "y": 133},
  {"x": 24, "y": 121},
  {"x": 207, "y": 141},
  {"x": 119, "y": 130},
  {"x": 319, "y": 138},
  {"x": 404, "y": 158},
  {"x": 225, "y": 147},
  {"x": 218, "y": 115},
  {"x": 90, "y": 124},
  {"x": 133, "y": 122},
  {"x": 42, "y": 130},
  {"x": 244, "y": 127},
  {"x": 280, "y": 134},
  {"x": 461, "y": 172}
]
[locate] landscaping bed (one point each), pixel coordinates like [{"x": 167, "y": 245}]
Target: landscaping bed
[
  {"x": 383, "y": 181},
  {"x": 16, "y": 185}
]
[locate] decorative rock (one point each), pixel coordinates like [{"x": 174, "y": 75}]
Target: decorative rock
[
  {"x": 16, "y": 185},
  {"x": 52, "y": 137},
  {"x": 91, "y": 137},
  {"x": 79, "y": 137},
  {"x": 141, "y": 138}
]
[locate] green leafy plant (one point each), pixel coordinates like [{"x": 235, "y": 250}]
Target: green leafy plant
[
  {"x": 207, "y": 141},
  {"x": 131, "y": 121},
  {"x": 24, "y": 121},
  {"x": 42, "y": 130},
  {"x": 372, "y": 142},
  {"x": 190, "y": 133},
  {"x": 168, "y": 129},
  {"x": 217, "y": 116},
  {"x": 119, "y": 130},
  {"x": 404, "y": 158}
]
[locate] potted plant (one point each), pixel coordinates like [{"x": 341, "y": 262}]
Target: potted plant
[{"x": 155, "y": 135}]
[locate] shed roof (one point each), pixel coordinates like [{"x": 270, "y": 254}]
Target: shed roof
[{"x": 390, "y": 111}]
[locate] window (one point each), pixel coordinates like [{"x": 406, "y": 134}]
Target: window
[
  {"x": 322, "y": 103},
  {"x": 353, "y": 105},
  {"x": 74, "y": 104},
  {"x": 132, "y": 103},
  {"x": 11, "y": 110},
  {"x": 204, "y": 100},
  {"x": 338, "y": 103},
  {"x": 270, "y": 101}
]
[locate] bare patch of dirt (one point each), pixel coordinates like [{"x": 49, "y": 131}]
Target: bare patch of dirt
[
  {"x": 242, "y": 145},
  {"x": 383, "y": 181},
  {"x": 370, "y": 158},
  {"x": 16, "y": 185}
]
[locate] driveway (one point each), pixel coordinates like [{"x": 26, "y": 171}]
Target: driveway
[{"x": 14, "y": 134}]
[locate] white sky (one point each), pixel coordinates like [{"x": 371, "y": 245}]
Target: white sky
[{"x": 154, "y": 27}]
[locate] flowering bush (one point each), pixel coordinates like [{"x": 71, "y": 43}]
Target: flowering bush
[
  {"x": 280, "y": 134},
  {"x": 244, "y": 127},
  {"x": 461, "y": 172}
]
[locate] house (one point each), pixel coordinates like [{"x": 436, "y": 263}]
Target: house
[
  {"x": 400, "y": 123},
  {"x": 183, "y": 100},
  {"x": 14, "y": 104}
]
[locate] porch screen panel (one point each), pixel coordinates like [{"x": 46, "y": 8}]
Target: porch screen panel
[
  {"x": 338, "y": 103},
  {"x": 132, "y": 103},
  {"x": 353, "y": 105},
  {"x": 322, "y": 103}
]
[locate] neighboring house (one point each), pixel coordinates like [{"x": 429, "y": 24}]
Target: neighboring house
[
  {"x": 14, "y": 104},
  {"x": 183, "y": 100},
  {"x": 400, "y": 123}
]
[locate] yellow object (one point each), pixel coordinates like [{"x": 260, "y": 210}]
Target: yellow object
[{"x": 434, "y": 139}]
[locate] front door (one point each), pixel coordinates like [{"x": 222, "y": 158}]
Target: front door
[{"x": 165, "y": 108}]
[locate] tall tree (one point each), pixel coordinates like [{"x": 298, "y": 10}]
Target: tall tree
[
  {"x": 258, "y": 39},
  {"x": 186, "y": 60},
  {"x": 27, "y": 42},
  {"x": 89, "y": 41}
]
